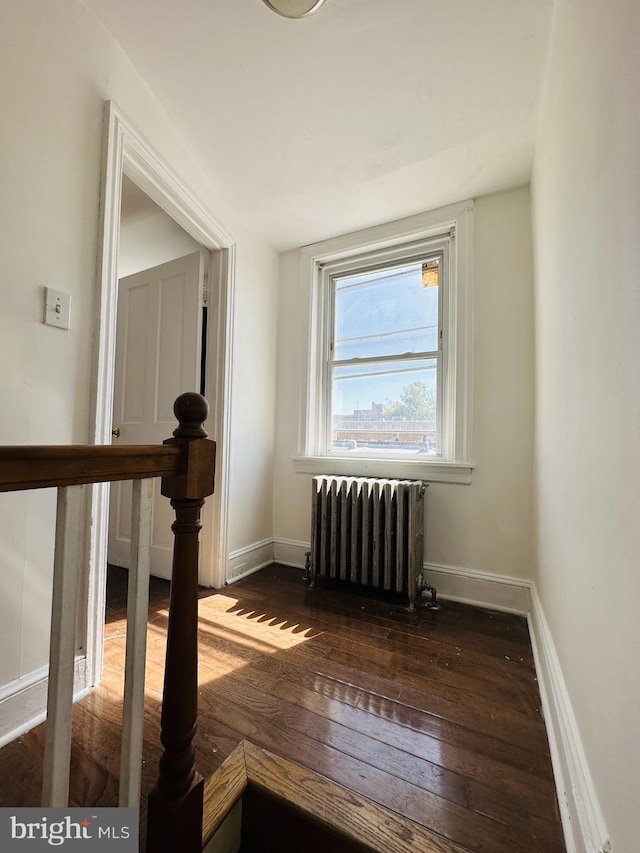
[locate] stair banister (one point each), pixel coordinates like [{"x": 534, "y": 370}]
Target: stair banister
[
  {"x": 175, "y": 805},
  {"x": 186, "y": 464}
]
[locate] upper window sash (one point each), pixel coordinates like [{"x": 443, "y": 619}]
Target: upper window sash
[{"x": 406, "y": 259}]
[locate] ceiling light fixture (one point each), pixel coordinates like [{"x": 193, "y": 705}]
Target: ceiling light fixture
[{"x": 293, "y": 8}]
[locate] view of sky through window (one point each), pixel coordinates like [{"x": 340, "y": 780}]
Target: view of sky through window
[{"x": 385, "y": 342}]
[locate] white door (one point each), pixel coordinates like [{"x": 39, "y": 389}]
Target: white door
[{"x": 158, "y": 351}]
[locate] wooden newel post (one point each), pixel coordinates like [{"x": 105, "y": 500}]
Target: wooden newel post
[{"x": 175, "y": 804}]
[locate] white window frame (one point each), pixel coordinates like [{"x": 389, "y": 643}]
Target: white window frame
[{"x": 451, "y": 228}]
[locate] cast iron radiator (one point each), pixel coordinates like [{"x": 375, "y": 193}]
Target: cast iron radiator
[{"x": 369, "y": 532}]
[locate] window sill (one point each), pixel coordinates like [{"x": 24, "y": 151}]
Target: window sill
[{"x": 433, "y": 471}]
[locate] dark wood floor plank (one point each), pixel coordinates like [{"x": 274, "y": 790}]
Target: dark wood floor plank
[
  {"x": 447, "y": 704},
  {"x": 334, "y": 687},
  {"x": 406, "y": 659},
  {"x": 399, "y": 751},
  {"x": 487, "y": 680},
  {"x": 304, "y": 711},
  {"x": 503, "y": 669},
  {"x": 449, "y": 623},
  {"x": 522, "y": 757},
  {"x": 434, "y": 715},
  {"x": 488, "y": 631},
  {"x": 472, "y": 830},
  {"x": 456, "y": 704},
  {"x": 452, "y": 698},
  {"x": 471, "y": 626},
  {"x": 343, "y": 684}
]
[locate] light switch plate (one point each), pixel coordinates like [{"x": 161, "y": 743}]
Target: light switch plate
[{"x": 57, "y": 308}]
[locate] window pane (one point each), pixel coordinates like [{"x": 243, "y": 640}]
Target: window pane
[
  {"x": 387, "y": 312},
  {"x": 385, "y": 406}
]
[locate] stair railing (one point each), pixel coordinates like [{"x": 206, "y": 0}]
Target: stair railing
[{"x": 186, "y": 464}]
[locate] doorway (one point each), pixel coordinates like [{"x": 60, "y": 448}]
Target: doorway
[
  {"x": 160, "y": 353},
  {"x": 128, "y": 155}
]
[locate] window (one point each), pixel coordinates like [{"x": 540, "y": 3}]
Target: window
[
  {"x": 384, "y": 360},
  {"x": 387, "y": 386}
]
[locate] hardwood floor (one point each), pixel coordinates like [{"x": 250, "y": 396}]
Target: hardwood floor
[{"x": 434, "y": 715}]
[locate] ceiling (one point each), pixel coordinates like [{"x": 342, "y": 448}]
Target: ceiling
[{"x": 364, "y": 112}]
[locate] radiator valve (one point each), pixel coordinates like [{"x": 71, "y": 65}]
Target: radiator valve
[
  {"x": 423, "y": 589},
  {"x": 308, "y": 576}
]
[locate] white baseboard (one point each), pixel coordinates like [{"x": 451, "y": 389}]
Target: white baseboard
[
  {"x": 483, "y": 589},
  {"x": 582, "y": 820},
  {"x": 290, "y": 552},
  {"x": 245, "y": 561},
  {"x": 23, "y": 702}
]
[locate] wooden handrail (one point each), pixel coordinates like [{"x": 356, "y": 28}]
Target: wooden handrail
[{"x": 48, "y": 466}]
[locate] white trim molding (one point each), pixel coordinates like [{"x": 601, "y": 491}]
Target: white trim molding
[
  {"x": 482, "y": 589},
  {"x": 430, "y": 472},
  {"x": 23, "y": 702},
  {"x": 582, "y": 821},
  {"x": 245, "y": 561},
  {"x": 290, "y": 552}
]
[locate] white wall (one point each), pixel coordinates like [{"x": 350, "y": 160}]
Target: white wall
[
  {"x": 57, "y": 67},
  {"x": 150, "y": 241},
  {"x": 586, "y": 192},
  {"x": 488, "y": 525}
]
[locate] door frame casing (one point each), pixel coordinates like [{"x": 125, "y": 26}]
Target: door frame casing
[{"x": 127, "y": 152}]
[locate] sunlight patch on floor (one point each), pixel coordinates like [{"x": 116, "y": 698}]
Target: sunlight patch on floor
[{"x": 252, "y": 632}]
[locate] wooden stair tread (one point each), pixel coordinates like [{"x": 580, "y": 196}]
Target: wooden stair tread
[{"x": 367, "y": 824}]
